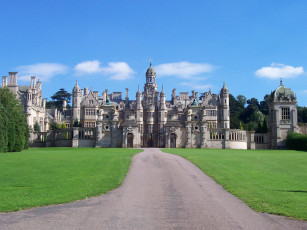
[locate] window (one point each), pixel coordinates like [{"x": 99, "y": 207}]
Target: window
[
  {"x": 90, "y": 112},
  {"x": 285, "y": 113},
  {"x": 211, "y": 113},
  {"x": 91, "y": 102},
  {"x": 89, "y": 124}
]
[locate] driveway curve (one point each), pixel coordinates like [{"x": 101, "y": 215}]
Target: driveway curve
[{"x": 161, "y": 191}]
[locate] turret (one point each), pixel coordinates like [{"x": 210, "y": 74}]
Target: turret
[
  {"x": 283, "y": 116},
  {"x": 139, "y": 110},
  {"x": 76, "y": 101},
  {"x": 162, "y": 112},
  {"x": 139, "y": 99},
  {"x": 150, "y": 75},
  {"x": 162, "y": 100},
  {"x": 224, "y": 108}
]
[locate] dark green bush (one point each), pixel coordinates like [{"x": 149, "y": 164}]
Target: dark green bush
[
  {"x": 296, "y": 141},
  {"x": 14, "y": 134}
]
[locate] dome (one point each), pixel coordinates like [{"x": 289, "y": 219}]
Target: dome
[
  {"x": 283, "y": 94},
  {"x": 224, "y": 89},
  {"x": 150, "y": 71},
  {"x": 76, "y": 88}
]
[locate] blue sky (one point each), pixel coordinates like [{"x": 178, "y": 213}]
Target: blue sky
[{"x": 194, "y": 45}]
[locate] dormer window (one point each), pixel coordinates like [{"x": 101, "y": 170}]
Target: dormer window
[{"x": 91, "y": 102}]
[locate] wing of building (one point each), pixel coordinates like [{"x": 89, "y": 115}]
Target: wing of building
[{"x": 185, "y": 121}]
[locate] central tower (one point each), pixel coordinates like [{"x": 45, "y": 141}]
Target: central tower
[
  {"x": 150, "y": 94},
  {"x": 150, "y": 106}
]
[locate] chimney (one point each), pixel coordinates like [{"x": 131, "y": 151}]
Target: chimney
[
  {"x": 193, "y": 94},
  {"x": 33, "y": 81},
  {"x": 13, "y": 78},
  {"x": 126, "y": 98},
  {"x": 4, "y": 81}
]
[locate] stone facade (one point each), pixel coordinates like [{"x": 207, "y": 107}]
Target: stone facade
[{"x": 185, "y": 121}]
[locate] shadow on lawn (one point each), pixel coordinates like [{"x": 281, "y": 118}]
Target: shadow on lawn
[{"x": 299, "y": 191}]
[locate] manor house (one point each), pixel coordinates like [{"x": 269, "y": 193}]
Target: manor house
[{"x": 185, "y": 121}]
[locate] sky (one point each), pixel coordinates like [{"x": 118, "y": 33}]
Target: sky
[{"x": 192, "y": 44}]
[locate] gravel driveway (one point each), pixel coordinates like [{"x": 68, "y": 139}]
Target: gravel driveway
[{"x": 161, "y": 191}]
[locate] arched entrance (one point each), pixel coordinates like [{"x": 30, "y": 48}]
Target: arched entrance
[
  {"x": 130, "y": 140},
  {"x": 173, "y": 140}
]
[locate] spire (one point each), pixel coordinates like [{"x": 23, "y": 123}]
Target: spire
[
  {"x": 281, "y": 84},
  {"x": 162, "y": 92}
]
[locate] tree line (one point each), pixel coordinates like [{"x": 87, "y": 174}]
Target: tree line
[
  {"x": 14, "y": 130},
  {"x": 250, "y": 114}
]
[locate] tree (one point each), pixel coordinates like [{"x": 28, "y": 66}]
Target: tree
[
  {"x": 236, "y": 109},
  {"x": 16, "y": 130},
  {"x": 59, "y": 97},
  {"x": 3, "y": 129},
  {"x": 302, "y": 114},
  {"x": 242, "y": 100},
  {"x": 264, "y": 105},
  {"x": 37, "y": 127}
]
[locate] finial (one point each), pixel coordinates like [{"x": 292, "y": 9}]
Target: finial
[
  {"x": 162, "y": 87},
  {"x": 138, "y": 87},
  {"x": 224, "y": 84},
  {"x": 76, "y": 82},
  {"x": 281, "y": 82},
  {"x": 150, "y": 61}
]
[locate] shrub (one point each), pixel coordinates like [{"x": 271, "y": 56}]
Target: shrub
[
  {"x": 54, "y": 126},
  {"x": 37, "y": 127},
  {"x": 296, "y": 141}
]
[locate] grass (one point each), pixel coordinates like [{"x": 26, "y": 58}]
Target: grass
[
  {"x": 269, "y": 181},
  {"x": 44, "y": 176}
]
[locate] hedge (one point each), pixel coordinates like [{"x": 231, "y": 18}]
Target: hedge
[{"x": 296, "y": 141}]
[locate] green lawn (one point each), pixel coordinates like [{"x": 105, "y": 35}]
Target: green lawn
[
  {"x": 44, "y": 176},
  {"x": 269, "y": 181}
]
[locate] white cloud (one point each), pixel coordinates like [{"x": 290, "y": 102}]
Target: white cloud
[
  {"x": 276, "y": 71},
  {"x": 118, "y": 70},
  {"x": 88, "y": 67},
  {"x": 197, "y": 86},
  {"x": 185, "y": 70},
  {"x": 115, "y": 70},
  {"x": 43, "y": 71}
]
